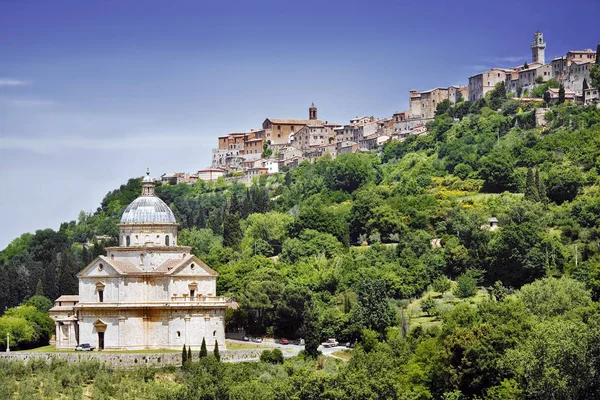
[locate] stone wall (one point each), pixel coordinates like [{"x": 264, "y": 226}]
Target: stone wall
[{"x": 117, "y": 360}]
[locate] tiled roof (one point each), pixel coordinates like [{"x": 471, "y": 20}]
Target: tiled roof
[
  {"x": 122, "y": 266},
  {"x": 296, "y": 121},
  {"x": 170, "y": 265}
]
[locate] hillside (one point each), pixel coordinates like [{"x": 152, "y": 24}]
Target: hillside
[{"x": 340, "y": 248}]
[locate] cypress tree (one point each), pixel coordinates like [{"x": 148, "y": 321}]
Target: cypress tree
[
  {"x": 184, "y": 356},
  {"x": 311, "y": 330},
  {"x": 39, "y": 288},
  {"x": 540, "y": 186},
  {"x": 67, "y": 271},
  {"x": 189, "y": 355},
  {"x": 232, "y": 231},
  {"x": 203, "y": 351},
  {"x": 561, "y": 94},
  {"x": 531, "y": 190},
  {"x": 216, "y": 351}
]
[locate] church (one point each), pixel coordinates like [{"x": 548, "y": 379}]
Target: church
[{"x": 147, "y": 293}]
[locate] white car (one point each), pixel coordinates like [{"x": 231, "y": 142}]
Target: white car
[{"x": 330, "y": 343}]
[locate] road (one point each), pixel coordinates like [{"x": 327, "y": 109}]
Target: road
[{"x": 290, "y": 350}]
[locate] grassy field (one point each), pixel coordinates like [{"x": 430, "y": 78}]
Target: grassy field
[
  {"x": 343, "y": 354},
  {"x": 444, "y": 302},
  {"x": 245, "y": 346},
  {"x": 52, "y": 349}
]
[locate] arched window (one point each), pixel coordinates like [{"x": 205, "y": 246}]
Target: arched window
[
  {"x": 127, "y": 241},
  {"x": 166, "y": 240}
]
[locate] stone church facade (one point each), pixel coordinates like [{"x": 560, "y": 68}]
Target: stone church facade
[{"x": 147, "y": 293}]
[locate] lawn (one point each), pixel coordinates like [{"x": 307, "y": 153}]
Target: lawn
[
  {"x": 52, "y": 349},
  {"x": 343, "y": 354},
  {"x": 444, "y": 303},
  {"x": 245, "y": 346}
]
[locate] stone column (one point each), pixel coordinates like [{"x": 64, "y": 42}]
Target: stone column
[
  {"x": 71, "y": 335},
  {"x": 58, "y": 339}
]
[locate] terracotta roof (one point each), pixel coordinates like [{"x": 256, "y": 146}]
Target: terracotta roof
[
  {"x": 122, "y": 266},
  {"x": 170, "y": 265},
  {"x": 296, "y": 121}
]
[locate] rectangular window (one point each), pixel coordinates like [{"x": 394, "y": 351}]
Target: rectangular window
[{"x": 101, "y": 296}]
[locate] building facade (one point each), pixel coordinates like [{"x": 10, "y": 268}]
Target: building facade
[{"x": 148, "y": 292}]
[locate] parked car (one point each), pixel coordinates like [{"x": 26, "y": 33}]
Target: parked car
[
  {"x": 350, "y": 345},
  {"x": 84, "y": 347},
  {"x": 284, "y": 341},
  {"x": 298, "y": 342},
  {"x": 330, "y": 343},
  {"x": 257, "y": 340},
  {"x": 246, "y": 339}
]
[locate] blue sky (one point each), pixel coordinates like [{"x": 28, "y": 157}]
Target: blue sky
[{"x": 93, "y": 92}]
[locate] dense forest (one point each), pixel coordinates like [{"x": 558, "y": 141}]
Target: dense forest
[{"x": 345, "y": 247}]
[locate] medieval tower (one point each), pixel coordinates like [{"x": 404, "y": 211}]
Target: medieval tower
[
  {"x": 312, "y": 112},
  {"x": 538, "y": 48}
]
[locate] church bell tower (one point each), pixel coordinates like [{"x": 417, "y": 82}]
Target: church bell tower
[
  {"x": 538, "y": 48},
  {"x": 312, "y": 112}
]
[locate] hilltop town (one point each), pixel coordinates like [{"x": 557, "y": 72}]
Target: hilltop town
[{"x": 281, "y": 144}]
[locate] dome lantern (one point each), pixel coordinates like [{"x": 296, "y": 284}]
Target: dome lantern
[{"x": 148, "y": 184}]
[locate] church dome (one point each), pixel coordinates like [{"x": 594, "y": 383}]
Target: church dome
[{"x": 148, "y": 210}]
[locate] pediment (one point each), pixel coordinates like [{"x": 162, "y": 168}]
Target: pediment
[
  {"x": 193, "y": 266},
  {"x": 99, "y": 267}
]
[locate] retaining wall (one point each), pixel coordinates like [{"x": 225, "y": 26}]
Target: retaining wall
[{"x": 131, "y": 360}]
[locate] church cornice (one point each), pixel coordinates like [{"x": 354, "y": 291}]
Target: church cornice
[{"x": 164, "y": 249}]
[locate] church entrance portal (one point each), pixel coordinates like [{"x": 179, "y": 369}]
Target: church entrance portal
[{"x": 100, "y": 340}]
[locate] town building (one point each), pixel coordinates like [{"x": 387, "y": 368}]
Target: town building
[
  {"x": 311, "y": 136},
  {"x": 554, "y": 95},
  {"x": 278, "y": 131},
  {"x": 210, "y": 174},
  {"x": 486, "y": 81},
  {"x": 146, "y": 293}
]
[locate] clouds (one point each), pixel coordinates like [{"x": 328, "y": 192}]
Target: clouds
[{"x": 7, "y": 82}]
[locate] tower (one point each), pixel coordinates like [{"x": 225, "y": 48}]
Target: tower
[
  {"x": 538, "y": 48},
  {"x": 312, "y": 112}
]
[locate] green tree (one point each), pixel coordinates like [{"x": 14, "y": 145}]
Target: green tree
[
  {"x": 41, "y": 303},
  {"x": 443, "y": 107},
  {"x": 466, "y": 285},
  {"x": 441, "y": 285},
  {"x": 497, "y": 96},
  {"x": 216, "y": 351},
  {"x": 561, "y": 94},
  {"x": 350, "y": 171},
  {"x": 531, "y": 189},
  {"x": 232, "y": 232},
  {"x": 547, "y": 97},
  {"x": 184, "y": 356},
  {"x": 550, "y": 297},
  {"x": 541, "y": 188},
  {"x": 564, "y": 182},
  {"x": 67, "y": 271},
  {"x": 373, "y": 310},
  {"x": 311, "y": 330},
  {"x": 203, "y": 352},
  {"x": 267, "y": 151},
  {"x": 369, "y": 340},
  {"x": 428, "y": 305}
]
